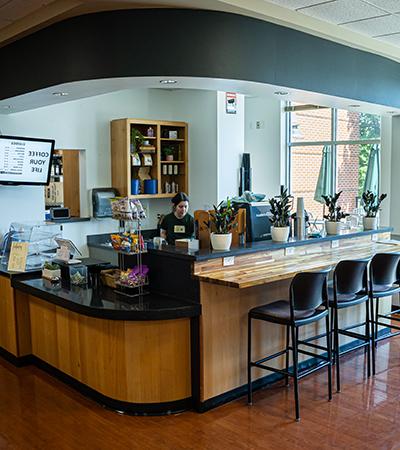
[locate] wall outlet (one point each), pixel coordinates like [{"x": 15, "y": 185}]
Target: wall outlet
[
  {"x": 228, "y": 261},
  {"x": 374, "y": 237},
  {"x": 334, "y": 244},
  {"x": 289, "y": 251},
  {"x": 259, "y": 124}
]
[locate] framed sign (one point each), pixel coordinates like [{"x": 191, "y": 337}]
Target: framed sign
[{"x": 230, "y": 102}]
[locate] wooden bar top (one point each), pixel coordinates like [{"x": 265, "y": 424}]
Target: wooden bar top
[{"x": 268, "y": 267}]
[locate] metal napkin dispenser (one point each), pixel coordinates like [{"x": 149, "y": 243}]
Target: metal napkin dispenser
[{"x": 101, "y": 199}]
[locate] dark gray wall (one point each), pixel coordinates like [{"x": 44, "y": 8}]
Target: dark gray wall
[{"x": 162, "y": 42}]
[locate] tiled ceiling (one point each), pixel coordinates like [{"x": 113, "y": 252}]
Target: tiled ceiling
[{"x": 379, "y": 19}]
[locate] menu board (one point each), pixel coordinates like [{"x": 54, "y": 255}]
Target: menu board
[{"x": 25, "y": 160}]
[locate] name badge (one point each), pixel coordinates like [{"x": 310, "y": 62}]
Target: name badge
[{"x": 179, "y": 228}]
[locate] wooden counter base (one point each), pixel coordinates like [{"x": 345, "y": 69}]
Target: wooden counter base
[{"x": 135, "y": 367}]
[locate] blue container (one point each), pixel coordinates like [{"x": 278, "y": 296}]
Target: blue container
[
  {"x": 150, "y": 186},
  {"x": 134, "y": 187}
]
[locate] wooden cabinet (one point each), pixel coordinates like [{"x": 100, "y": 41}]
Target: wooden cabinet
[
  {"x": 131, "y": 159},
  {"x": 64, "y": 187}
]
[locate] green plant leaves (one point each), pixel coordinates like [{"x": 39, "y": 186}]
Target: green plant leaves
[
  {"x": 280, "y": 209},
  {"x": 372, "y": 203}
]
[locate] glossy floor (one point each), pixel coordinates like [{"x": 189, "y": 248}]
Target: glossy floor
[{"x": 39, "y": 412}]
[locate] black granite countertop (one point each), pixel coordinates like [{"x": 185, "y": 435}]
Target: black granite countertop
[
  {"x": 103, "y": 241},
  {"x": 252, "y": 247},
  {"x": 105, "y": 303}
]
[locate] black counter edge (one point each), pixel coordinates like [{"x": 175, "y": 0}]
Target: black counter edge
[
  {"x": 267, "y": 380},
  {"x": 187, "y": 311}
]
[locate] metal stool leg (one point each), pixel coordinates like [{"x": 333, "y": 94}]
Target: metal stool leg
[
  {"x": 336, "y": 346},
  {"x": 368, "y": 336},
  {"x": 249, "y": 385},
  {"x": 329, "y": 349},
  {"x": 287, "y": 355},
  {"x": 295, "y": 371},
  {"x": 376, "y": 321},
  {"x": 371, "y": 303}
]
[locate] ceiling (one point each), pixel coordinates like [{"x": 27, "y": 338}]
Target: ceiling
[
  {"x": 378, "y": 19},
  {"x": 372, "y": 25}
]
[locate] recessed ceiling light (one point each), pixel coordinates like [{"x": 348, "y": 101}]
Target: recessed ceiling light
[
  {"x": 354, "y": 106},
  {"x": 7, "y": 107},
  {"x": 168, "y": 81},
  {"x": 281, "y": 93},
  {"x": 391, "y": 112},
  {"x": 60, "y": 94}
]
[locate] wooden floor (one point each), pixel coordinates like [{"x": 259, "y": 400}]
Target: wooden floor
[{"x": 39, "y": 412}]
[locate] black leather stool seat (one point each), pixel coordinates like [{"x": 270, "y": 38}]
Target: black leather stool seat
[
  {"x": 383, "y": 290},
  {"x": 279, "y": 312},
  {"x": 346, "y": 300}
]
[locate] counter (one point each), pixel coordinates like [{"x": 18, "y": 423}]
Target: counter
[{"x": 129, "y": 354}]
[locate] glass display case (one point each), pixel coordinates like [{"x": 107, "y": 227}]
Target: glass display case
[{"x": 41, "y": 238}]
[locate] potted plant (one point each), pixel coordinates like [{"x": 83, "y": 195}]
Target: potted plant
[
  {"x": 51, "y": 271},
  {"x": 333, "y": 224},
  {"x": 280, "y": 212},
  {"x": 169, "y": 153},
  {"x": 371, "y": 204},
  {"x": 137, "y": 140},
  {"x": 222, "y": 221}
]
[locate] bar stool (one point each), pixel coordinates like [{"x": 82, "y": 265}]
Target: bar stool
[
  {"x": 350, "y": 288},
  {"x": 384, "y": 280},
  {"x": 308, "y": 303}
]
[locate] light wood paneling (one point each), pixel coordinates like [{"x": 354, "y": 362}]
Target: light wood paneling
[
  {"x": 223, "y": 333},
  {"x": 120, "y": 167},
  {"x": 8, "y": 328},
  {"x": 139, "y": 362}
]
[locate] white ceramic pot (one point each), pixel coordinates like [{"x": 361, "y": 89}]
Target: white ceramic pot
[
  {"x": 370, "y": 223},
  {"x": 221, "y": 241},
  {"x": 333, "y": 227},
  {"x": 280, "y": 234}
]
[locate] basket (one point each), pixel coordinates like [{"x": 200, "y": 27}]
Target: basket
[{"x": 109, "y": 277}]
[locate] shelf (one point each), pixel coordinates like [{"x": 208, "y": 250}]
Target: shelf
[
  {"x": 149, "y": 137},
  {"x": 168, "y": 139},
  {"x": 172, "y": 162},
  {"x": 139, "y": 196}
]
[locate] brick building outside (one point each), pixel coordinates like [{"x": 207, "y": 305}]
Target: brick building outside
[{"x": 315, "y": 125}]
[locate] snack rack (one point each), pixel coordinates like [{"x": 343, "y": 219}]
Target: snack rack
[{"x": 130, "y": 213}]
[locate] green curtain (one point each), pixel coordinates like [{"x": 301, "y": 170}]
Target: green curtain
[
  {"x": 371, "y": 182},
  {"x": 324, "y": 183}
]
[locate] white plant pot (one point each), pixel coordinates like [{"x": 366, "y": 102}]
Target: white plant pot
[
  {"x": 221, "y": 241},
  {"x": 370, "y": 223},
  {"x": 51, "y": 274},
  {"x": 280, "y": 234},
  {"x": 333, "y": 227}
]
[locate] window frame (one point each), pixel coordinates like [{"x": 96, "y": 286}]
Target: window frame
[{"x": 333, "y": 143}]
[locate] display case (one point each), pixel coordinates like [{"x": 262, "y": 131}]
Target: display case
[{"x": 41, "y": 238}]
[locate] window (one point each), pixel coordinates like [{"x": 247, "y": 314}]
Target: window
[{"x": 329, "y": 151}]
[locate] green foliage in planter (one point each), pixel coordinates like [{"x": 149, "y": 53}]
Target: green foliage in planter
[
  {"x": 335, "y": 213},
  {"x": 280, "y": 210},
  {"x": 137, "y": 139},
  {"x": 168, "y": 150},
  {"x": 222, "y": 219},
  {"x": 372, "y": 203},
  {"x": 50, "y": 266}
]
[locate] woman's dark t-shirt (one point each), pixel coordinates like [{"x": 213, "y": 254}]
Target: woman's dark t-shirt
[{"x": 177, "y": 228}]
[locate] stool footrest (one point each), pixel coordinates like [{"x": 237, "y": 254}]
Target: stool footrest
[
  {"x": 268, "y": 358},
  {"x": 318, "y": 347},
  {"x": 272, "y": 369},
  {"x": 352, "y": 334},
  {"x": 305, "y": 352},
  {"x": 314, "y": 369}
]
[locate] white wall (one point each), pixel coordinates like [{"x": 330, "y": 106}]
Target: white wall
[
  {"x": 264, "y": 143},
  {"x": 85, "y": 124},
  {"x": 230, "y": 146}
]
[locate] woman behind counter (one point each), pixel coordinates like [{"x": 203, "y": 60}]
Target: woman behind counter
[{"x": 178, "y": 224}]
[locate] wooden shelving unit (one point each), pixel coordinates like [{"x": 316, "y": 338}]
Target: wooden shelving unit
[
  {"x": 123, "y": 171},
  {"x": 64, "y": 186}
]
